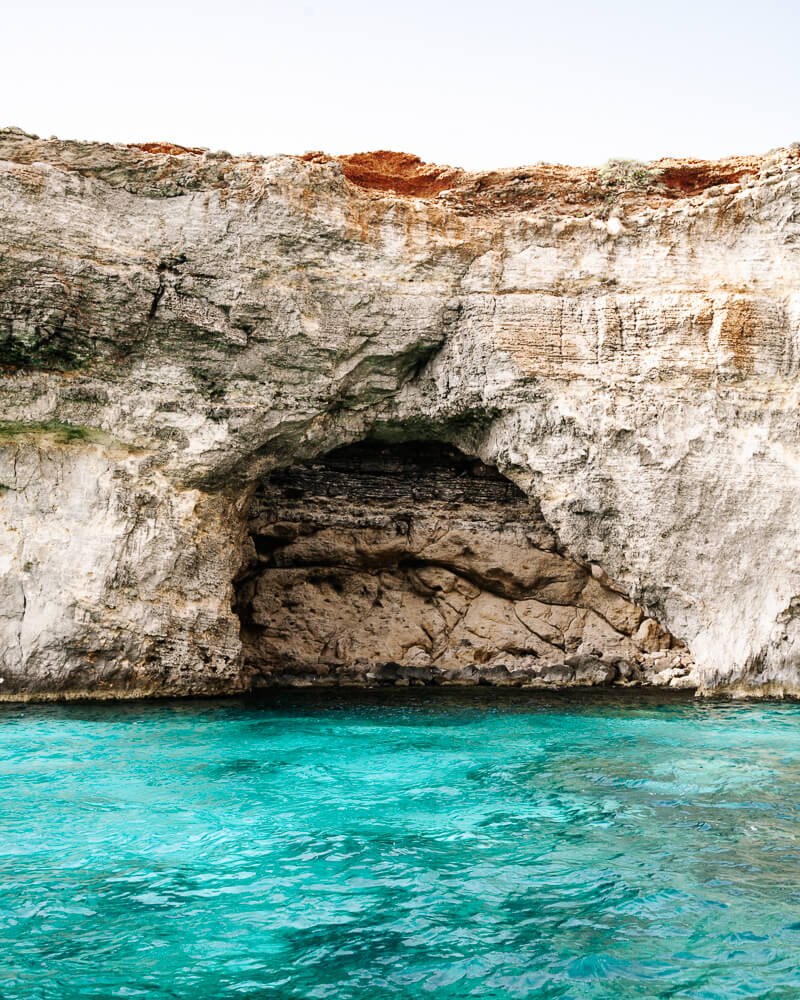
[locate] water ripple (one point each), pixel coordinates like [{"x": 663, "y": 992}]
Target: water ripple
[{"x": 402, "y": 846}]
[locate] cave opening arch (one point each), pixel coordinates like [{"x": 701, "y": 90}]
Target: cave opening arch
[{"x": 414, "y": 563}]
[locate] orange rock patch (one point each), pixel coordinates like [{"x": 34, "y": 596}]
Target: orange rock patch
[
  {"x": 690, "y": 177},
  {"x": 560, "y": 190},
  {"x": 400, "y": 173},
  {"x": 396, "y": 173}
]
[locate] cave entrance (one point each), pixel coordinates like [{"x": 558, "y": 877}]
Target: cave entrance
[{"x": 413, "y": 563}]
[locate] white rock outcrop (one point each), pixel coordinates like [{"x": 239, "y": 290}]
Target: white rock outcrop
[{"x": 176, "y": 323}]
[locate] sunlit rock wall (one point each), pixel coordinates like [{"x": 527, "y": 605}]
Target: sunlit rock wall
[{"x": 176, "y": 324}]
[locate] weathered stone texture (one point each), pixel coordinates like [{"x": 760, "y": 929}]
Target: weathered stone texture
[
  {"x": 413, "y": 564},
  {"x": 629, "y": 359}
]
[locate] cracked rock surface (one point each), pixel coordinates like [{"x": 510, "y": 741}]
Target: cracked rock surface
[{"x": 177, "y": 324}]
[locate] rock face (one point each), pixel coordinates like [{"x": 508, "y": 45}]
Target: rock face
[
  {"x": 176, "y": 325},
  {"x": 414, "y": 564}
]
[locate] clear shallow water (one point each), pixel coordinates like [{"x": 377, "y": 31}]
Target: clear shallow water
[{"x": 401, "y": 846}]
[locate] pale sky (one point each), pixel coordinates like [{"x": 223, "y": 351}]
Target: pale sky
[{"x": 476, "y": 85}]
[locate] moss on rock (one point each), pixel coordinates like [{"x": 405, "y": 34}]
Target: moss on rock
[{"x": 61, "y": 433}]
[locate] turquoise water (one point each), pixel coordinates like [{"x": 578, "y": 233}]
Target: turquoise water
[{"x": 404, "y": 846}]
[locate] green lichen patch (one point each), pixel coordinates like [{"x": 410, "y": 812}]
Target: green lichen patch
[
  {"x": 48, "y": 358},
  {"x": 54, "y": 430},
  {"x": 628, "y": 175}
]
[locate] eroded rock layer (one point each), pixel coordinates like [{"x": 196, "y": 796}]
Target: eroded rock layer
[
  {"x": 415, "y": 564},
  {"x": 176, "y": 324}
]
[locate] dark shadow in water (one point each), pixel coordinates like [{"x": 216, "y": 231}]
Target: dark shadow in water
[{"x": 420, "y": 699}]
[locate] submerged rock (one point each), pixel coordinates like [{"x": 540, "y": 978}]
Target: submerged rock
[{"x": 176, "y": 325}]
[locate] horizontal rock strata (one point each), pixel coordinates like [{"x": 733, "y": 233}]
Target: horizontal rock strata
[
  {"x": 176, "y": 324},
  {"x": 413, "y": 564}
]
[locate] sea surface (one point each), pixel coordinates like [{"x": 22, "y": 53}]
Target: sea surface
[{"x": 402, "y": 844}]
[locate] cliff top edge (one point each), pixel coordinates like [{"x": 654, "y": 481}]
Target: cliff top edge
[{"x": 167, "y": 169}]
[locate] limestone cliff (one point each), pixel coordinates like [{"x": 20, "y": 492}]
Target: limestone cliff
[{"x": 177, "y": 324}]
